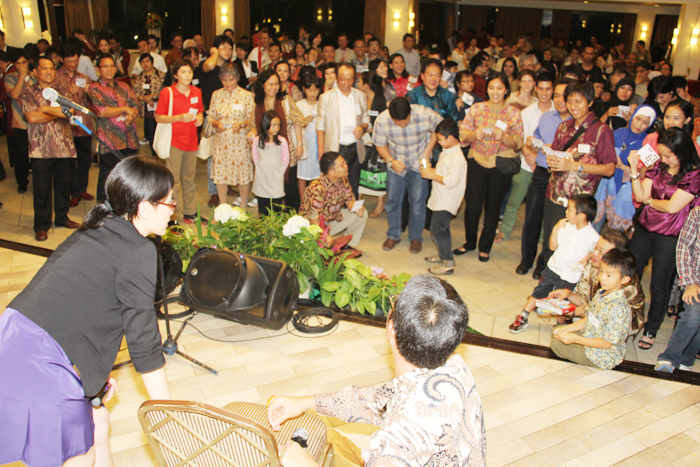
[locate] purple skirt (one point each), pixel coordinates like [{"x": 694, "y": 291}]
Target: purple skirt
[{"x": 45, "y": 418}]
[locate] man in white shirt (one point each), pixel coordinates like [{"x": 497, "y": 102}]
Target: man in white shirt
[
  {"x": 342, "y": 53},
  {"x": 410, "y": 57},
  {"x": 361, "y": 60},
  {"x": 259, "y": 54},
  {"x": 342, "y": 120},
  {"x": 544, "y": 87},
  {"x": 158, "y": 61}
]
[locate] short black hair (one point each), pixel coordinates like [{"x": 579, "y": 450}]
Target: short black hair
[
  {"x": 187, "y": 52},
  {"x": 544, "y": 77},
  {"x": 67, "y": 50},
  {"x": 222, "y": 39},
  {"x": 439, "y": 52},
  {"x": 176, "y": 34},
  {"x": 145, "y": 56},
  {"x": 327, "y": 161},
  {"x": 680, "y": 82},
  {"x": 644, "y": 64},
  {"x": 642, "y": 42},
  {"x": 431, "y": 62},
  {"x": 154, "y": 37},
  {"x": 142, "y": 39},
  {"x": 502, "y": 78},
  {"x": 103, "y": 56},
  {"x": 399, "y": 108},
  {"x": 450, "y": 64},
  {"x": 617, "y": 237},
  {"x": 374, "y": 39},
  {"x": 586, "y": 204},
  {"x": 179, "y": 64},
  {"x": 476, "y": 61},
  {"x": 406, "y": 36},
  {"x": 582, "y": 88},
  {"x": 76, "y": 31},
  {"x": 229, "y": 29},
  {"x": 461, "y": 75},
  {"x": 622, "y": 260},
  {"x": 448, "y": 127},
  {"x": 43, "y": 41},
  {"x": 571, "y": 70},
  {"x": 429, "y": 321}
]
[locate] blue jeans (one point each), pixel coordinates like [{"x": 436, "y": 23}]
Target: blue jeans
[
  {"x": 210, "y": 186},
  {"x": 417, "y": 188},
  {"x": 685, "y": 340}
]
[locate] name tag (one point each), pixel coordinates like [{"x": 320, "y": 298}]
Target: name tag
[
  {"x": 80, "y": 82},
  {"x": 361, "y": 69},
  {"x": 151, "y": 107},
  {"x": 358, "y": 111},
  {"x": 373, "y": 113},
  {"x": 75, "y": 119},
  {"x": 237, "y": 107},
  {"x": 253, "y": 74},
  {"x": 413, "y": 79},
  {"x": 446, "y": 75},
  {"x": 194, "y": 100},
  {"x": 26, "y": 78},
  {"x": 593, "y": 319},
  {"x": 195, "y": 82},
  {"x": 146, "y": 86},
  {"x": 467, "y": 98},
  {"x": 503, "y": 126},
  {"x": 584, "y": 148}
]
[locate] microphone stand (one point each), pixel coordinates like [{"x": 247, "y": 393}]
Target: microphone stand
[{"x": 68, "y": 114}]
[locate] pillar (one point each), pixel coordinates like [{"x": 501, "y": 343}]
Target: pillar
[
  {"x": 394, "y": 34},
  {"x": 686, "y": 57}
]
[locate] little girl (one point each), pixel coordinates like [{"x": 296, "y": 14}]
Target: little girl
[
  {"x": 271, "y": 158},
  {"x": 308, "y": 168}
]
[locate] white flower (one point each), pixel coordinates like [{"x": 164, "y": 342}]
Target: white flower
[
  {"x": 225, "y": 212},
  {"x": 294, "y": 225}
]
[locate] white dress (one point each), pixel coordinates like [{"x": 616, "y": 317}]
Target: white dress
[{"x": 308, "y": 169}]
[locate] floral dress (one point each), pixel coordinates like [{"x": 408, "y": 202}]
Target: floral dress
[{"x": 232, "y": 162}]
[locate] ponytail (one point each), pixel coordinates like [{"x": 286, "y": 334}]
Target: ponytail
[{"x": 97, "y": 215}]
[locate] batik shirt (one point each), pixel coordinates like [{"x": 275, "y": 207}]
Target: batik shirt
[
  {"x": 426, "y": 417},
  {"x": 82, "y": 82},
  {"x": 611, "y": 313},
  {"x": 47, "y": 140},
  {"x": 326, "y": 198},
  {"x": 114, "y": 131}
]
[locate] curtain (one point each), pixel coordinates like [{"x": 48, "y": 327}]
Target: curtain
[
  {"x": 472, "y": 16},
  {"x": 375, "y": 18},
  {"x": 663, "y": 29},
  {"x": 514, "y": 22},
  {"x": 241, "y": 25},
  {"x": 629, "y": 22},
  {"x": 209, "y": 23},
  {"x": 77, "y": 15},
  {"x": 561, "y": 21},
  {"x": 416, "y": 29},
  {"x": 100, "y": 13}
]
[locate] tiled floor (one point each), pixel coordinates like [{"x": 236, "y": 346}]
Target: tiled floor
[{"x": 538, "y": 412}]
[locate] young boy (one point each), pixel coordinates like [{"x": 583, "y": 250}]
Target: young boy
[
  {"x": 599, "y": 338},
  {"x": 572, "y": 239},
  {"x": 450, "y": 175}
]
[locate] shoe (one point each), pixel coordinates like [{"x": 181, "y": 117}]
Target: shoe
[
  {"x": 536, "y": 274},
  {"x": 463, "y": 250},
  {"x": 70, "y": 225},
  {"x": 484, "y": 259},
  {"x": 143, "y": 141},
  {"x": 647, "y": 341},
  {"x": 346, "y": 248},
  {"x": 389, "y": 244},
  {"x": 192, "y": 219},
  {"x": 213, "y": 201},
  {"x": 664, "y": 366},
  {"x": 238, "y": 201},
  {"x": 75, "y": 201},
  {"x": 41, "y": 236},
  {"x": 253, "y": 203},
  {"x": 0, "y": 205},
  {"x": 416, "y": 246},
  {"x": 22, "y": 189},
  {"x": 443, "y": 270},
  {"x": 87, "y": 196},
  {"x": 518, "y": 325},
  {"x": 500, "y": 238},
  {"x": 685, "y": 368},
  {"x": 521, "y": 269},
  {"x": 433, "y": 259}
]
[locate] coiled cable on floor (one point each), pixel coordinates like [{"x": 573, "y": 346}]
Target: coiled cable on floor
[{"x": 308, "y": 318}]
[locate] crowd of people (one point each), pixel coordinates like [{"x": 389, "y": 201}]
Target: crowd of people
[{"x": 317, "y": 126}]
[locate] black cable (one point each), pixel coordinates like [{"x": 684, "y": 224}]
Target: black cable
[{"x": 302, "y": 319}]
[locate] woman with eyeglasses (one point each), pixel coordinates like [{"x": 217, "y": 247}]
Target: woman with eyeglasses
[{"x": 60, "y": 336}]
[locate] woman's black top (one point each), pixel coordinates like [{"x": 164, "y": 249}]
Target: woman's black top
[{"x": 96, "y": 287}]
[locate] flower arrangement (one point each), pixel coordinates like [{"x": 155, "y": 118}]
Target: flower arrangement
[{"x": 154, "y": 21}]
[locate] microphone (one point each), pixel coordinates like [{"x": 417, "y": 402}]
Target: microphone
[{"x": 52, "y": 95}]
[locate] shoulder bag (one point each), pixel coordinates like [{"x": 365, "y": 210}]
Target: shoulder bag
[{"x": 164, "y": 133}]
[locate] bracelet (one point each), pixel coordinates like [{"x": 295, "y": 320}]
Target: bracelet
[
  {"x": 648, "y": 201},
  {"x": 635, "y": 177}
]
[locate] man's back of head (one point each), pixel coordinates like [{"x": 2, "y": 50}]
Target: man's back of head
[
  {"x": 429, "y": 321},
  {"x": 400, "y": 108}
]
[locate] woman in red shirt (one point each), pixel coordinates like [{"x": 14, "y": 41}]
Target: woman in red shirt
[{"x": 186, "y": 116}]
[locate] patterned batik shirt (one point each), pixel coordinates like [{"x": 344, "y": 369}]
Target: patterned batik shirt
[
  {"x": 325, "y": 198},
  {"x": 589, "y": 285},
  {"x": 612, "y": 314},
  {"x": 688, "y": 251},
  {"x": 114, "y": 131},
  {"x": 426, "y": 417},
  {"x": 47, "y": 140},
  {"x": 599, "y": 137},
  {"x": 145, "y": 85},
  {"x": 82, "y": 82}
]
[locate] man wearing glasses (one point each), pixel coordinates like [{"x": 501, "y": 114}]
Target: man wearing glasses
[
  {"x": 430, "y": 413},
  {"x": 116, "y": 106}
]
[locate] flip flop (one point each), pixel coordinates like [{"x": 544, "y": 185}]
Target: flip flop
[
  {"x": 645, "y": 343},
  {"x": 500, "y": 238}
]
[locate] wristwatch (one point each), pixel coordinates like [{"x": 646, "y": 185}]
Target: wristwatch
[{"x": 580, "y": 167}]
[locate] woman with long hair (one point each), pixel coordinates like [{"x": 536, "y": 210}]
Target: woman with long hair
[
  {"x": 668, "y": 191},
  {"x": 59, "y": 337},
  {"x": 525, "y": 95},
  {"x": 678, "y": 114},
  {"x": 299, "y": 51},
  {"x": 398, "y": 81},
  {"x": 510, "y": 68}
]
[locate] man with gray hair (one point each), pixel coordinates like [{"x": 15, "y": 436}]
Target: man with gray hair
[{"x": 529, "y": 62}]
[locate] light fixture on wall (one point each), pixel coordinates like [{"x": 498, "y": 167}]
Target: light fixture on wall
[
  {"x": 411, "y": 19},
  {"x": 2, "y": 23},
  {"x": 397, "y": 20},
  {"x": 27, "y": 18},
  {"x": 643, "y": 35},
  {"x": 583, "y": 23},
  {"x": 694, "y": 36},
  {"x": 676, "y": 31},
  {"x": 224, "y": 12}
]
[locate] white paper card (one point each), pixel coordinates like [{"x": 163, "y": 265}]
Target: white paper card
[
  {"x": 584, "y": 148},
  {"x": 194, "y": 100},
  {"x": 357, "y": 205},
  {"x": 576, "y": 266},
  {"x": 361, "y": 69},
  {"x": 194, "y": 112},
  {"x": 348, "y": 130},
  {"x": 622, "y": 110},
  {"x": 648, "y": 156},
  {"x": 445, "y": 75},
  {"x": 237, "y": 107},
  {"x": 593, "y": 319},
  {"x": 121, "y": 118},
  {"x": 503, "y": 126},
  {"x": 488, "y": 131},
  {"x": 80, "y": 82},
  {"x": 467, "y": 98},
  {"x": 412, "y": 79},
  {"x": 151, "y": 107},
  {"x": 146, "y": 86},
  {"x": 373, "y": 113},
  {"x": 195, "y": 82},
  {"x": 76, "y": 119}
]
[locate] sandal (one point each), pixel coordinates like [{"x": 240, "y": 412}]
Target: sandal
[
  {"x": 672, "y": 312},
  {"x": 647, "y": 341},
  {"x": 500, "y": 238},
  {"x": 441, "y": 271}
]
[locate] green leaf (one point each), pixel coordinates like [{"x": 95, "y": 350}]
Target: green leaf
[
  {"x": 330, "y": 286},
  {"x": 365, "y": 270},
  {"x": 360, "y": 307},
  {"x": 342, "y": 299},
  {"x": 402, "y": 278},
  {"x": 372, "y": 307},
  {"x": 374, "y": 292},
  {"x": 351, "y": 263},
  {"x": 354, "y": 278}
]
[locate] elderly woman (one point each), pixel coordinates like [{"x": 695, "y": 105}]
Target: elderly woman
[
  {"x": 268, "y": 95},
  {"x": 147, "y": 86},
  {"x": 231, "y": 115}
]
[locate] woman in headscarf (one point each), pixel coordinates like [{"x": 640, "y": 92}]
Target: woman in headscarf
[
  {"x": 612, "y": 114},
  {"x": 614, "y": 194}
]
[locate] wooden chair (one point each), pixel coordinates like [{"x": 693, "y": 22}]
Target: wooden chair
[{"x": 187, "y": 433}]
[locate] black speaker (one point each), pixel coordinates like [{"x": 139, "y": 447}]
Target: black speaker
[
  {"x": 241, "y": 288},
  {"x": 172, "y": 264}
]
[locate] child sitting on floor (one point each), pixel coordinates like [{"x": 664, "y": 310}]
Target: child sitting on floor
[
  {"x": 599, "y": 338},
  {"x": 572, "y": 239}
]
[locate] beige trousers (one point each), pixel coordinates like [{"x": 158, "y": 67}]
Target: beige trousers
[
  {"x": 352, "y": 224},
  {"x": 183, "y": 165}
]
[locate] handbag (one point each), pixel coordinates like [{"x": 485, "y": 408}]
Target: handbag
[
  {"x": 164, "y": 133},
  {"x": 508, "y": 162},
  {"x": 206, "y": 147},
  {"x": 373, "y": 170}
]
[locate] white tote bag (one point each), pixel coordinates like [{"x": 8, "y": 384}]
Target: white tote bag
[{"x": 164, "y": 133}]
